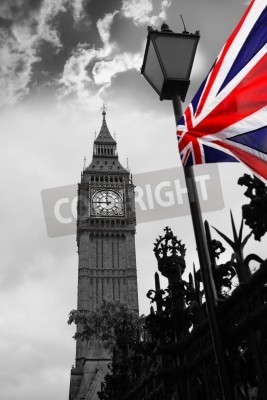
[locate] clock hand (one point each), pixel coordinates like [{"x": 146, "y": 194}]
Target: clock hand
[{"x": 105, "y": 202}]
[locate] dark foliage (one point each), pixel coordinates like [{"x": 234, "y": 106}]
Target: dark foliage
[{"x": 255, "y": 213}]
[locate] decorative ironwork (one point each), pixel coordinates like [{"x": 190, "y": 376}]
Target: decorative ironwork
[
  {"x": 173, "y": 356},
  {"x": 255, "y": 213}
]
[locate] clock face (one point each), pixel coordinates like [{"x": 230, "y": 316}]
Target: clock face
[{"x": 107, "y": 203}]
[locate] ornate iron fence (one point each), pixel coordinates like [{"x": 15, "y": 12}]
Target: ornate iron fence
[{"x": 173, "y": 358}]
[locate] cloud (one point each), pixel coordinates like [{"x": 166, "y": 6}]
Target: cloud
[
  {"x": 104, "y": 71},
  {"x": 103, "y": 26},
  {"x": 27, "y": 24},
  {"x": 137, "y": 10},
  {"x": 78, "y": 10},
  {"x": 89, "y": 71},
  {"x": 140, "y": 12},
  {"x": 15, "y": 70},
  {"x": 46, "y": 31},
  {"x": 75, "y": 81},
  {"x": 18, "y": 9}
]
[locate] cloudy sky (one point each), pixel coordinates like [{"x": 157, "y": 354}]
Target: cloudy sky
[{"x": 60, "y": 60}]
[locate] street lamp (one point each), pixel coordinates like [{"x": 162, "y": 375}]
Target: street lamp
[
  {"x": 168, "y": 61},
  {"x": 167, "y": 66}
]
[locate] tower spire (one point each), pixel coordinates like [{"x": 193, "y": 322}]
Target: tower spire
[
  {"x": 105, "y": 155},
  {"x": 104, "y": 111},
  {"x": 104, "y": 136},
  {"x": 84, "y": 163}
]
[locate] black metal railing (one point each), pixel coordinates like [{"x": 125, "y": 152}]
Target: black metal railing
[{"x": 173, "y": 357}]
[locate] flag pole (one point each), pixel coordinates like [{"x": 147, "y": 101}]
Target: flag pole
[{"x": 205, "y": 268}]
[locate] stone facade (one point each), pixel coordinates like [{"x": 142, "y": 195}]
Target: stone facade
[{"x": 106, "y": 247}]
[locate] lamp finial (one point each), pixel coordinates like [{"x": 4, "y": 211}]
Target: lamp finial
[{"x": 165, "y": 27}]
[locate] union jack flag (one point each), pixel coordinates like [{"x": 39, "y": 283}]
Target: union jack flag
[{"x": 227, "y": 119}]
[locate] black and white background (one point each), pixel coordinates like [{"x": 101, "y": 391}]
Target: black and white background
[{"x": 59, "y": 61}]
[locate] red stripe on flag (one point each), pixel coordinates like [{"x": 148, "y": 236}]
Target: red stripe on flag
[
  {"x": 185, "y": 139},
  {"x": 218, "y": 64},
  {"x": 249, "y": 96},
  {"x": 256, "y": 164},
  {"x": 197, "y": 152},
  {"x": 188, "y": 118},
  {"x": 184, "y": 161}
]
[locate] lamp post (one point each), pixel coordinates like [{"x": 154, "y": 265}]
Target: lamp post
[{"x": 167, "y": 65}]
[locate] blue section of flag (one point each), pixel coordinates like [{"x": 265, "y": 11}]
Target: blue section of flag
[
  {"x": 197, "y": 96},
  {"x": 256, "y": 139},
  {"x": 190, "y": 160},
  {"x": 182, "y": 121},
  {"x": 213, "y": 155},
  {"x": 254, "y": 42}
]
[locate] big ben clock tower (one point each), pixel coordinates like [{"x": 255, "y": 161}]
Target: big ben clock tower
[{"x": 106, "y": 247}]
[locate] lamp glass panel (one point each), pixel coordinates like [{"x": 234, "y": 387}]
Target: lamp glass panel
[
  {"x": 152, "y": 68},
  {"x": 176, "y": 54}
]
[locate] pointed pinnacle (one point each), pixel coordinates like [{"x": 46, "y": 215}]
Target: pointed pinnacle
[
  {"x": 236, "y": 238},
  {"x": 226, "y": 238}
]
